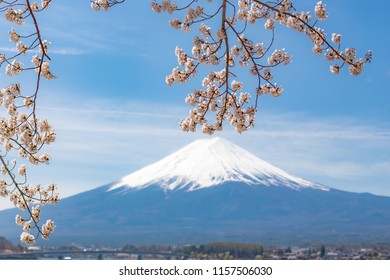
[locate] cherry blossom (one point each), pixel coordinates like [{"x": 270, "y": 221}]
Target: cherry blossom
[
  {"x": 22, "y": 134},
  {"x": 223, "y": 46}
]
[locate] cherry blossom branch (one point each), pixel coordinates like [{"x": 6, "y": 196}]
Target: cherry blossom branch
[
  {"x": 22, "y": 134},
  {"x": 232, "y": 104}
]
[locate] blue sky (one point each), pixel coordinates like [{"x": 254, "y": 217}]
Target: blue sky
[{"x": 113, "y": 112}]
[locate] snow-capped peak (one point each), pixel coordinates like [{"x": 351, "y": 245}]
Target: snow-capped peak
[{"x": 209, "y": 162}]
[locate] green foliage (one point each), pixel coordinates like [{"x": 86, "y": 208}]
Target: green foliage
[{"x": 224, "y": 249}]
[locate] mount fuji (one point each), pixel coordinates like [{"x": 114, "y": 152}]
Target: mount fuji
[
  {"x": 213, "y": 190},
  {"x": 207, "y": 163}
]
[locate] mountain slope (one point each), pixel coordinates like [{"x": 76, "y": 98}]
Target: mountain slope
[
  {"x": 206, "y": 163},
  {"x": 212, "y": 190}
]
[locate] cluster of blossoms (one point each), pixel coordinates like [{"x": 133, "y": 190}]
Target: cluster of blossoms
[
  {"x": 22, "y": 133},
  {"x": 227, "y": 47},
  {"x": 104, "y": 4},
  {"x": 167, "y": 6}
]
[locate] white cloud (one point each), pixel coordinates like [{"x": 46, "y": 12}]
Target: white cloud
[
  {"x": 59, "y": 51},
  {"x": 7, "y": 49},
  {"x": 68, "y": 51}
]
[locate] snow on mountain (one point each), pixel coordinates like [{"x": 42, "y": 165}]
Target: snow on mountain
[{"x": 209, "y": 162}]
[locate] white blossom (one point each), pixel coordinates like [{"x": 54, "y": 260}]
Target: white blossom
[
  {"x": 27, "y": 238},
  {"x": 13, "y": 36},
  {"x": 335, "y": 69},
  {"x": 320, "y": 11},
  {"x": 14, "y": 16},
  {"x": 236, "y": 86},
  {"x": 336, "y": 38},
  {"x": 15, "y": 68},
  {"x": 19, "y": 220},
  {"x": 22, "y": 170},
  {"x": 47, "y": 228},
  {"x": 269, "y": 24}
]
